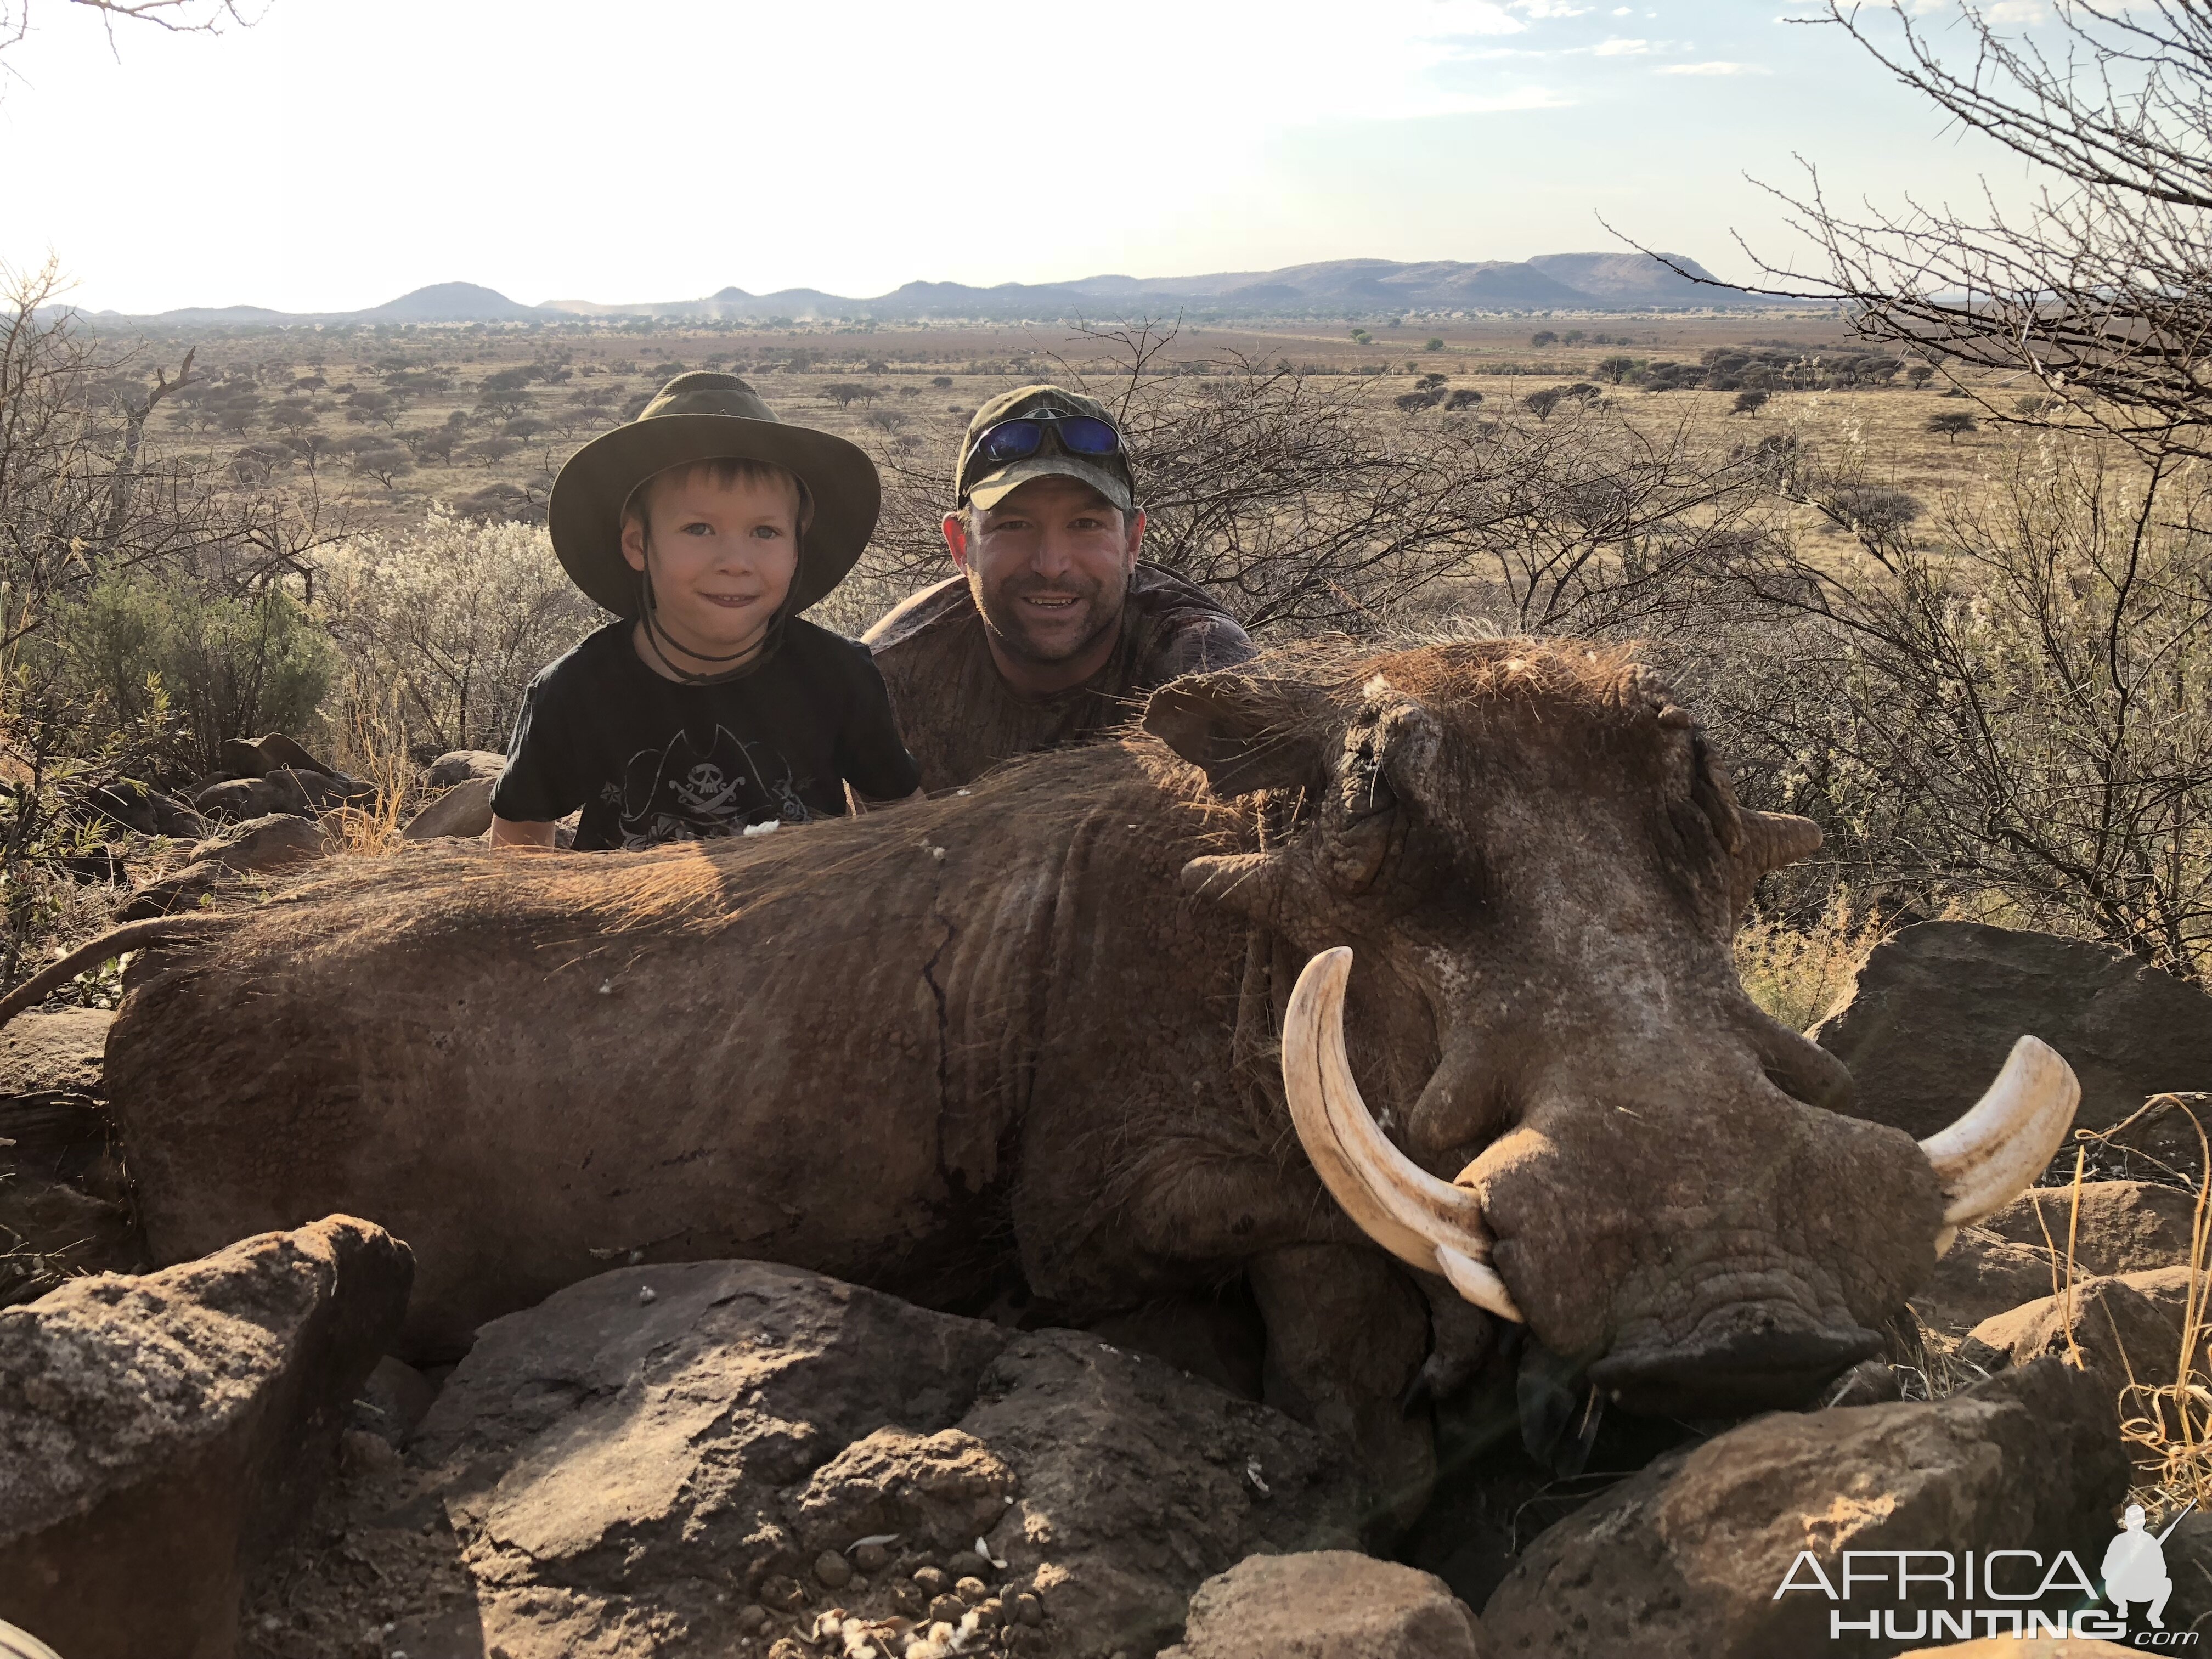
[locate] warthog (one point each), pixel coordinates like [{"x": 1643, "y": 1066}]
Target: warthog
[{"x": 1037, "y": 1034}]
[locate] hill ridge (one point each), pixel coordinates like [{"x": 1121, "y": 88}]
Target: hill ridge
[{"x": 1351, "y": 288}]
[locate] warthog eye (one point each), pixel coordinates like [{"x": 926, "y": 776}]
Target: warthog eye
[{"x": 1366, "y": 787}]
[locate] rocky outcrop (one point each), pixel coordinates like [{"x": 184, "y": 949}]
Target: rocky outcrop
[
  {"x": 1979, "y": 1276},
  {"x": 2127, "y": 1325},
  {"x": 1937, "y": 1007},
  {"x": 159, "y": 1436},
  {"x": 275, "y": 773},
  {"x": 1327, "y": 1604},
  {"x": 258, "y": 846},
  {"x": 2122, "y": 1227},
  {"x": 1685, "y": 1558},
  {"x": 667, "y": 1459}
]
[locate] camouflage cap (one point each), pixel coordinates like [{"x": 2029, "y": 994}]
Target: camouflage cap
[{"x": 1109, "y": 475}]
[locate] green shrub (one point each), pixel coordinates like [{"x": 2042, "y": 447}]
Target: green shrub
[{"x": 230, "y": 665}]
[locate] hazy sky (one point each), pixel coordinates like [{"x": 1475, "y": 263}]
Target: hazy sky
[{"x": 344, "y": 151}]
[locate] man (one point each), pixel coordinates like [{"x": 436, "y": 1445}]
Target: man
[{"x": 1054, "y": 630}]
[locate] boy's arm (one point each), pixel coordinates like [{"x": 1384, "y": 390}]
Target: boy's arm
[
  {"x": 537, "y": 782},
  {"x": 507, "y": 832},
  {"x": 877, "y": 769}
]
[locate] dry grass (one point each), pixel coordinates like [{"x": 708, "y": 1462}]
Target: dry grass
[
  {"x": 1799, "y": 976},
  {"x": 2167, "y": 1426},
  {"x": 1494, "y": 355},
  {"x": 372, "y": 746}
]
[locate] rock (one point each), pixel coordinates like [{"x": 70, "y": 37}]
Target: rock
[
  {"x": 2188, "y": 1553},
  {"x": 393, "y": 1400},
  {"x": 322, "y": 790},
  {"x": 258, "y": 846},
  {"x": 160, "y": 1435},
  {"x": 64, "y": 1195},
  {"x": 187, "y": 889},
  {"x": 1685, "y": 1558},
  {"x": 2129, "y": 1322},
  {"x": 460, "y": 765},
  {"x": 133, "y": 805},
  {"x": 56, "y": 1053},
  {"x": 1331, "y": 1604},
  {"x": 262, "y": 846},
  {"x": 257, "y": 757},
  {"x": 1979, "y": 1276},
  {"x": 1867, "y": 1383},
  {"x": 607, "y": 1462},
  {"x": 832, "y": 1570},
  {"x": 253, "y": 798},
  {"x": 2124, "y": 1226},
  {"x": 1937, "y": 1007},
  {"x": 464, "y": 811}
]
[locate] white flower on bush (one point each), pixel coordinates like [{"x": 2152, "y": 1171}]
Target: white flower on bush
[{"x": 457, "y": 615}]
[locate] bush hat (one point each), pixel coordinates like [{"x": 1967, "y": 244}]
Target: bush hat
[
  {"x": 704, "y": 416},
  {"x": 1109, "y": 475}
]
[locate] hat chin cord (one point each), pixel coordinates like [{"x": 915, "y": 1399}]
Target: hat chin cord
[{"x": 661, "y": 642}]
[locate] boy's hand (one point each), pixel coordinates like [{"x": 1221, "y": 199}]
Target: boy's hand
[{"x": 506, "y": 832}]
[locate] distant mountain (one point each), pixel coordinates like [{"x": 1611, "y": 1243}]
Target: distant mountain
[
  {"x": 1332, "y": 289},
  {"x": 1632, "y": 278},
  {"x": 441, "y": 302},
  {"x": 1554, "y": 281},
  {"x": 221, "y": 314},
  {"x": 450, "y": 302}
]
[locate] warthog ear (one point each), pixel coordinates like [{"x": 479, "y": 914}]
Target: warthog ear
[
  {"x": 1243, "y": 733},
  {"x": 1771, "y": 839}
]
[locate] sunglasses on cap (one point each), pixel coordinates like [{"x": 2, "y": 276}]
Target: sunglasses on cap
[{"x": 1018, "y": 439}]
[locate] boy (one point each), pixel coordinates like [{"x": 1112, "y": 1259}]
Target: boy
[{"x": 709, "y": 708}]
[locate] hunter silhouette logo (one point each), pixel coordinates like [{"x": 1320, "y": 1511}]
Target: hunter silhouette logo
[{"x": 2133, "y": 1568}]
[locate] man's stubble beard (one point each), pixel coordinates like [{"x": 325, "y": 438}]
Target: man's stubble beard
[{"x": 1002, "y": 614}]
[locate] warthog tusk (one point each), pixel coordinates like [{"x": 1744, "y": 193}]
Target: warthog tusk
[
  {"x": 1477, "y": 1281},
  {"x": 1425, "y": 1222},
  {"x": 1992, "y": 1154}
]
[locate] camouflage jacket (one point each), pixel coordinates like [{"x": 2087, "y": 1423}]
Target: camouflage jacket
[{"x": 958, "y": 718}]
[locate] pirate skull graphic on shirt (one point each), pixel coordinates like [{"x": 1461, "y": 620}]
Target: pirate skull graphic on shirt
[{"x": 684, "y": 794}]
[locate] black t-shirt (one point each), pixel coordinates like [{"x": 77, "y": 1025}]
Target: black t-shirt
[{"x": 651, "y": 760}]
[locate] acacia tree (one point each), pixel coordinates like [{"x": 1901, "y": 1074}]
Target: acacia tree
[
  {"x": 1301, "y": 508},
  {"x": 2101, "y": 287},
  {"x": 2019, "y": 703}
]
